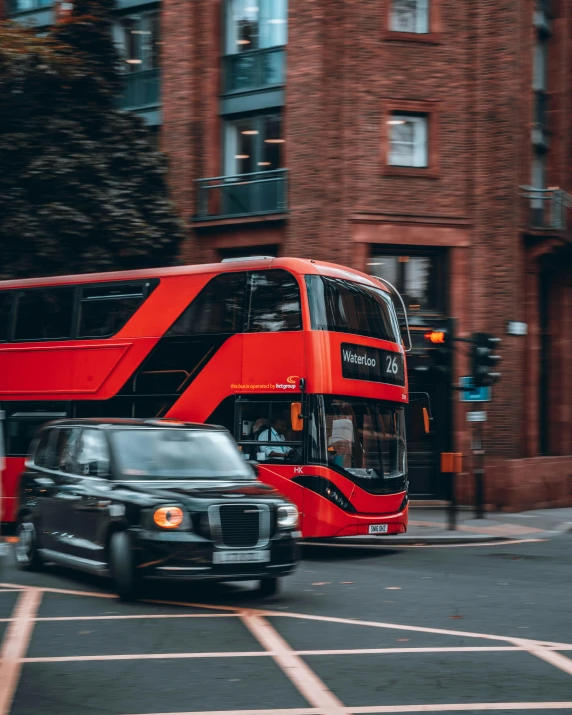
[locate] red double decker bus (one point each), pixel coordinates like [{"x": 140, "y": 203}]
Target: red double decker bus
[{"x": 301, "y": 360}]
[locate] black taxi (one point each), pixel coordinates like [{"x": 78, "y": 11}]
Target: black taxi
[{"x": 151, "y": 498}]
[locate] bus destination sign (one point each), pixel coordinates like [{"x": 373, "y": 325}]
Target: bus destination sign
[{"x": 362, "y": 363}]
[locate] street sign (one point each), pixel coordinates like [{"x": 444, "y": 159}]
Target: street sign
[
  {"x": 476, "y": 416},
  {"x": 469, "y": 393}
]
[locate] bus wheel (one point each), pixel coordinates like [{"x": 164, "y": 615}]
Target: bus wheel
[
  {"x": 27, "y": 556},
  {"x": 269, "y": 587},
  {"x": 122, "y": 564}
]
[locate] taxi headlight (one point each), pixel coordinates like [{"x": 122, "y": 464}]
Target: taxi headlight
[
  {"x": 287, "y": 517},
  {"x": 168, "y": 517}
]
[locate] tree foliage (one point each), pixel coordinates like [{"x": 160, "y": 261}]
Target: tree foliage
[{"x": 81, "y": 187}]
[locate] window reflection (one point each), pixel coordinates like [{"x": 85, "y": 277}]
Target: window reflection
[
  {"x": 138, "y": 41},
  {"x": 255, "y": 25},
  {"x": 419, "y": 279}
]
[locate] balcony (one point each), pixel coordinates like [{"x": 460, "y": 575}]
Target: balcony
[
  {"x": 227, "y": 197},
  {"x": 548, "y": 208},
  {"x": 142, "y": 90},
  {"x": 254, "y": 70}
]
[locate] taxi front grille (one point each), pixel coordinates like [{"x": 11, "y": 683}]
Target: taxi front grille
[{"x": 239, "y": 525}]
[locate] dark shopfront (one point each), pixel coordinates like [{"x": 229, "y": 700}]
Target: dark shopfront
[{"x": 420, "y": 277}]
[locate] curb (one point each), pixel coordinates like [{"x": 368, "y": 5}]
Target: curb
[{"x": 389, "y": 541}]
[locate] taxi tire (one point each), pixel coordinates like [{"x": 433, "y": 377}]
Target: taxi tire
[
  {"x": 27, "y": 556},
  {"x": 122, "y": 566},
  {"x": 269, "y": 587}
]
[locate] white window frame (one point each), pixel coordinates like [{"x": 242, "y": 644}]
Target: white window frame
[
  {"x": 421, "y": 17},
  {"x": 420, "y": 152}
]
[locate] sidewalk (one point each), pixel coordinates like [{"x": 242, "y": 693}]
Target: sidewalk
[{"x": 430, "y": 526}]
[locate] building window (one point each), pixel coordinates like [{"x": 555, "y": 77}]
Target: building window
[
  {"x": 255, "y": 25},
  {"x": 409, "y": 16},
  {"x": 254, "y": 144},
  {"x": 419, "y": 277},
  {"x": 408, "y": 139},
  {"x": 15, "y": 6},
  {"x": 138, "y": 41}
]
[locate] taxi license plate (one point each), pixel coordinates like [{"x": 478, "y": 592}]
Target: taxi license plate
[
  {"x": 378, "y": 528},
  {"x": 240, "y": 557}
]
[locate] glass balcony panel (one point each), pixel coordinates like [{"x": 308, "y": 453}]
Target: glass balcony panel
[
  {"x": 142, "y": 89},
  {"x": 254, "y": 70},
  {"x": 243, "y": 195}
]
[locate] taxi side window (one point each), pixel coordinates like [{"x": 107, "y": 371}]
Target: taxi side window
[
  {"x": 65, "y": 449},
  {"x": 45, "y": 449},
  {"x": 93, "y": 454}
]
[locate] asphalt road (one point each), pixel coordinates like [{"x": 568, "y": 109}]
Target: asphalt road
[{"x": 436, "y": 629}]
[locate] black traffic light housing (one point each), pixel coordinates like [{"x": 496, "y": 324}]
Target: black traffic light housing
[
  {"x": 439, "y": 342},
  {"x": 483, "y": 359}
]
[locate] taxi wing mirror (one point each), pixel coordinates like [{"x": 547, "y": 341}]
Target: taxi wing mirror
[{"x": 296, "y": 417}]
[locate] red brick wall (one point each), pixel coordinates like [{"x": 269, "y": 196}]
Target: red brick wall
[{"x": 344, "y": 73}]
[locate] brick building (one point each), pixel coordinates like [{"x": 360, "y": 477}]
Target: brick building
[{"x": 393, "y": 136}]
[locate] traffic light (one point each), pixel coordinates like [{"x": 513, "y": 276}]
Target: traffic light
[
  {"x": 483, "y": 359},
  {"x": 439, "y": 342}
]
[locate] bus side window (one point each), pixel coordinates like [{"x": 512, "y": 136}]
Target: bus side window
[
  {"x": 6, "y": 303},
  {"x": 218, "y": 308},
  {"x": 273, "y": 302},
  {"x": 44, "y": 314},
  {"x": 105, "y": 309}
]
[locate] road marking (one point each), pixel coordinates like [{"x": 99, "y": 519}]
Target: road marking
[
  {"x": 281, "y": 711},
  {"x": 67, "y": 592},
  {"x": 450, "y": 707},
  {"x": 374, "y": 651},
  {"x": 497, "y": 529},
  {"x": 138, "y": 615},
  {"x": 15, "y": 645},
  {"x": 147, "y": 656},
  {"x": 445, "y": 707},
  {"x": 546, "y": 654},
  {"x": 314, "y": 690}
]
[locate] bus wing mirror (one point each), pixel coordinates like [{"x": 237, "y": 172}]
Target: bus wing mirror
[
  {"x": 426, "y": 423},
  {"x": 296, "y": 417}
]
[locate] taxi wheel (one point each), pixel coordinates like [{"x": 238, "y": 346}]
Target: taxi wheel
[
  {"x": 269, "y": 587},
  {"x": 122, "y": 564},
  {"x": 27, "y": 556}
]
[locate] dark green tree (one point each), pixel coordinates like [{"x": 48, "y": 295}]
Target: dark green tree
[{"x": 81, "y": 187}]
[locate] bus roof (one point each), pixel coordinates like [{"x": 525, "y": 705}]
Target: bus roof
[{"x": 299, "y": 266}]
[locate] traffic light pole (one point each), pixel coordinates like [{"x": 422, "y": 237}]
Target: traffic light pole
[{"x": 479, "y": 470}]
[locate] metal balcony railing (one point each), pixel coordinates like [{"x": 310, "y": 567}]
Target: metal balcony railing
[
  {"x": 263, "y": 192},
  {"x": 541, "y": 107},
  {"x": 549, "y": 208},
  {"x": 253, "y": 70},
  {"x": 142, "y": 89}
]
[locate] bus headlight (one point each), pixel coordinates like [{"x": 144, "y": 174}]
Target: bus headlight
[{"x": 287, "y": 517}]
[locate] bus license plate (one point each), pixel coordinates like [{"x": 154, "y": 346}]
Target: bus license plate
[
  {"x": 378, "y": 528},
  {"x": 240, "y": 557}
]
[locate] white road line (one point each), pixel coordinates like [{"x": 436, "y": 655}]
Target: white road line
[
  {"x": 138, "y": 615},
  {"x": 445, "y": 707},
  {"x": 459, "y": 707},
  {"x": 146, "y": 656},
  {"x": 11, "y": 590},
  {"x": 15, "y": 645},
  {"x": 280, "y": 711},
  {"x": 65, "y": 591},
  {"x": 374, "y": 651},
  {"x": 540, "y": 651},
  {"x": 302, "y": 676}
]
